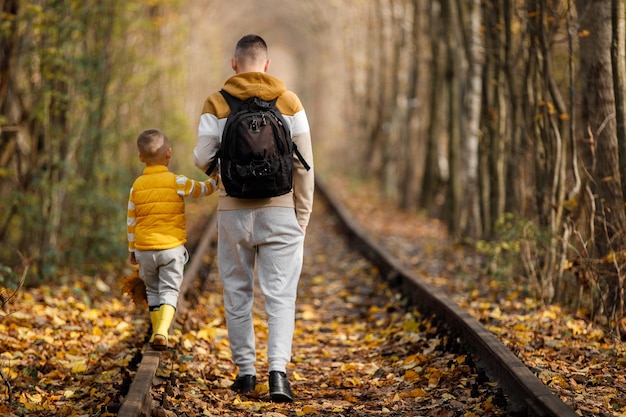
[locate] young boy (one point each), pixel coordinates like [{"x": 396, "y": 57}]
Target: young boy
[{"x": 157, "y": 229}]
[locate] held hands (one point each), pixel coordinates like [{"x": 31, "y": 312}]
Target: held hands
[{"x": 213, "y": 180}]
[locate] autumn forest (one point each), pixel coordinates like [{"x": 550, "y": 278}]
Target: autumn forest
[{"x": 502, "y": 120}]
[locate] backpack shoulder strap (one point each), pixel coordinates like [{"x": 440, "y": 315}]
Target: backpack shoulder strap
[
  {"x": 233, "y": 102},
  {"x": 300, "y": 157},
  {"x": 213, "y": 164}
]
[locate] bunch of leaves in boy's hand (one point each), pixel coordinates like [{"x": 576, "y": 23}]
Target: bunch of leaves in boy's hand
[{"x": 134, "y": 287}]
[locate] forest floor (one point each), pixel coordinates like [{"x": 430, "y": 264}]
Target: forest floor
[{"x": 359, "y": 349}]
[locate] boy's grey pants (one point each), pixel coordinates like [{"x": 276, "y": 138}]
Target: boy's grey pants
[
  {"x": 162, "y": 272},
  {"x": 272, "y": 237}
]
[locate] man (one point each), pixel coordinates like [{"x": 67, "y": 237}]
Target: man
[{"x": 266, "y": 232}]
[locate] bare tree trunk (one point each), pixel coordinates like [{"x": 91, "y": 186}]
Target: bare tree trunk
[
  {"x": 515, "y": 61},
  {"x": 435, "y": 175},
  {"x": 411, "y": 139},
  {"x": 618, "y": 63},
  {"x": 10, "y": 110},
  {"x": 392, "y": 149},
  {"x": 496, "y": 116},
  {"x": 452, "y": 88},
  {"x": 470, "y": 221},
  {"x": 547, "y": 136},
  {"x": 601, "y": 154},
  {"x": 380, "y": 105}
]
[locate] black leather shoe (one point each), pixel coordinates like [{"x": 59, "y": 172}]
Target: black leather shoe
[
  {"x": 280, "y": 391},
  {"x": 244, "y": 383}
]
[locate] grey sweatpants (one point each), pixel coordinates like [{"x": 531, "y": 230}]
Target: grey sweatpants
[
  {"x": 162, "y": 272},
  {"x": 271, "y": 238}
]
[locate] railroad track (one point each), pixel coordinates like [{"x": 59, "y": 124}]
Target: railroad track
[
  {"x": 523, "y": 392},
  {"x": 138, "y": 402}
]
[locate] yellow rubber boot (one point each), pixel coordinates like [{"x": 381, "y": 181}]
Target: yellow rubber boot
[
  {"x": 166, "y": 315},
  {"x": 154, "y": 319}
]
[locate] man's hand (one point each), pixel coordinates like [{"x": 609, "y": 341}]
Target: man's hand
[{"x": 132, "y": 259}]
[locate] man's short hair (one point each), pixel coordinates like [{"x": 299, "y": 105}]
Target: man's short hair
[{"x": 251, "y": 47}]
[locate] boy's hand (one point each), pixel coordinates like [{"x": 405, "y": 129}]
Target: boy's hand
[
  {"x": 132, "y": 259},
  {"x": 213, "y": 180}
]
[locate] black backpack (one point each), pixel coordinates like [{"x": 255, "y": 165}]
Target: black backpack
[{"x": 256, "y": 154}]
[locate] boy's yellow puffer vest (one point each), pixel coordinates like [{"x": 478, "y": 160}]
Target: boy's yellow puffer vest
[{"x": 159, "y": 210}]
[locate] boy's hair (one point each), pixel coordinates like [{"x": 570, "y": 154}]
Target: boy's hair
[
  {"x": 152, "y": 144},
  {"x": 251, "y": 47}
]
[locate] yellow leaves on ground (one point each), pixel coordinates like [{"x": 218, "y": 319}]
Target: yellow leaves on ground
[
  {"x": 411, "y": 376},
  {"x": 78, "y": 367},
  {"x": 308, "y": 312},
  {"x": 558, "y": 380},
  {"x": 58, "y": 342},
  {"x": 564, "y": 349},
  {"x": 307, "y": 410},
  {"x": 433, "y": 378},
  {"x": 296, "y": 376},
  {"x": 414, "y": 360},
  {"x": 210, "y": 332},
  {"x": 252, "y": 406},
  {"x": 33, "y": 402},
  {"x": 416, "y": 392}
]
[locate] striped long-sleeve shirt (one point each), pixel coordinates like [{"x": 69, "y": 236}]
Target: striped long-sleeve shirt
[{"x": 156, "y": 208}]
